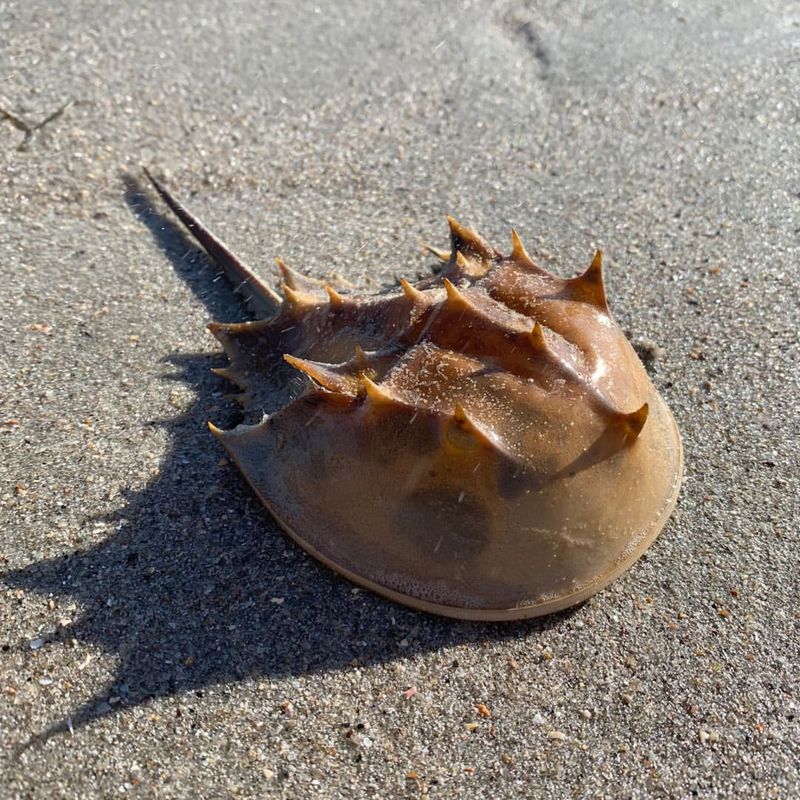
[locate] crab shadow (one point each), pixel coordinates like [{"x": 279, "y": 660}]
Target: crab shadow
[{"x": 197, "y": 585}]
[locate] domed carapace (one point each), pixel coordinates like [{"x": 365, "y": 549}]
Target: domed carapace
[{"x": 483, "y": 444}]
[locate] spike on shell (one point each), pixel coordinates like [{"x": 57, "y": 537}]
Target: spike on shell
[
  {"x": 296, "y": 280},
  {"x": 454, "y": 296},
  {"x": 457, "y": 299},
  {"x": 469, "y": 479},
  {"x": 590, "y": 286},
  {"x": 296, "y": 298},
  {"x": 460, "y": 435},
  {"x": 322, "y": 374},
  {"x": 442, "y": 255},
  {"x": 218, "y": 433},
  {"x": 462, "y": 261},
  {"x": 334, "y": 298},
  {"x": 518, "y": 252},
  {"x": 537, "y": 337},
  {"x": 373, "y": 392},
  {"x": 466, "y": 241},
  {"x": 412, "y": 293},
  {"x": 360, "y": 356}
]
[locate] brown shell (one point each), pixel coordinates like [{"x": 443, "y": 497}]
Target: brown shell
[{"x": 484, "y": 444}]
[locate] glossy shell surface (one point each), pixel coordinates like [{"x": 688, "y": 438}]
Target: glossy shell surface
[{"x": 483, "y": 444}]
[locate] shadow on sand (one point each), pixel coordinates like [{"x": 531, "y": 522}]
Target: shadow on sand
[{"x": 197, "y": 585}]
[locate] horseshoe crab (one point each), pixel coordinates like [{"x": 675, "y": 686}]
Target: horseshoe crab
[{"x": 483, "y": 444}]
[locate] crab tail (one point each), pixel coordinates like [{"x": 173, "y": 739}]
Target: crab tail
[{"x": 258, "y": 297}]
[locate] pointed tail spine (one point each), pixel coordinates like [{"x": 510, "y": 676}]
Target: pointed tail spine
[{"x": 259, "y": 297}]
